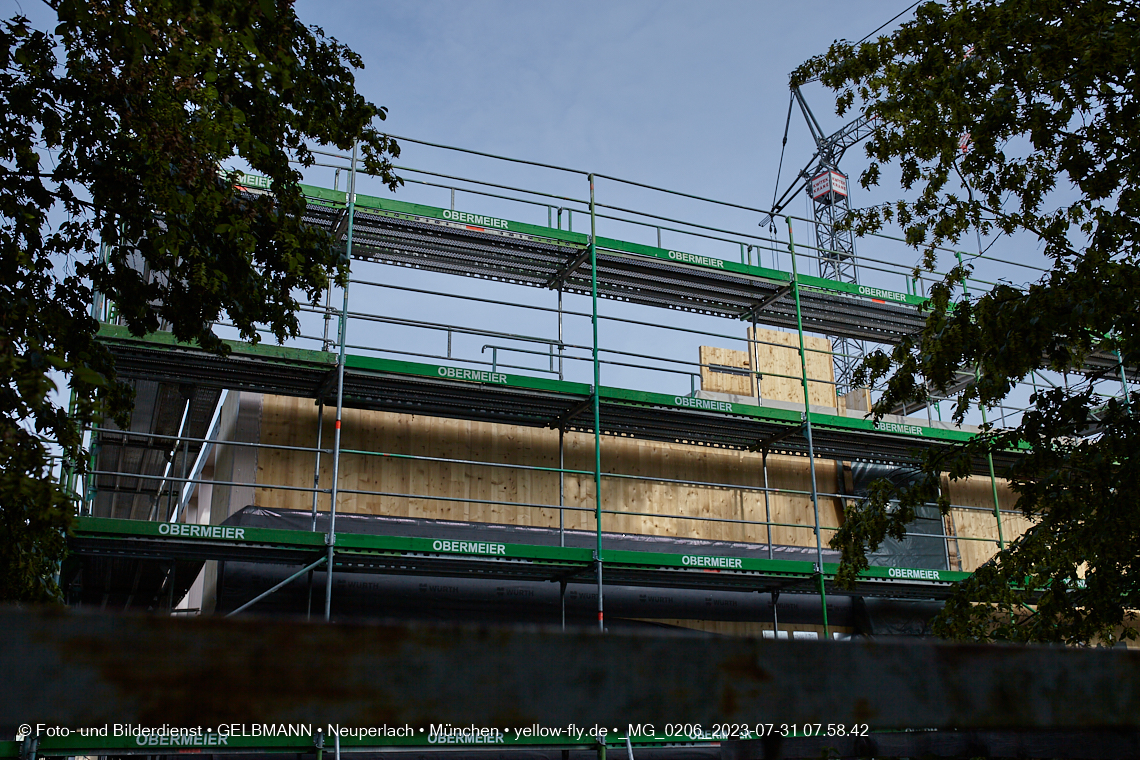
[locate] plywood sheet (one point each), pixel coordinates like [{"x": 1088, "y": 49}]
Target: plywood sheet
[
  {"x": 709, "y": 503},
  {"x": 857, "y": 400},
  {"x": 977, "y": 528},
  {"x": 725, "y": 382},
  {"x": 778, "y": 359},
  {"x": 720, "y": 498}
]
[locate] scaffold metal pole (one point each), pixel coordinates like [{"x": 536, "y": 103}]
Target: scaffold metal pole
[
  {"x": 807, "y": 429},
  {"x": 316, "y": 495},
  {"x": 561, "y": 450},
  {"x": 317, "y": 466},
  {"x": 320, "y": 429},
  {"x": 767, "y": 502},
  {"x": 985, "y": 422},
  {"x": 597, "y": 400},
  {"x": 561, "y": 486},
  {"x": 308, "y": 569},
  {"x": 330, "y": 537},
  {"x": 1123, "y": 379}
]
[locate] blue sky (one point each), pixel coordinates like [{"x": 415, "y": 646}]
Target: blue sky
[{"x": 690, "y": 96}]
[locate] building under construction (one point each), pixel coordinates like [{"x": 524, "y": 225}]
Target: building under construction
[{"x": 590, "y": 431}]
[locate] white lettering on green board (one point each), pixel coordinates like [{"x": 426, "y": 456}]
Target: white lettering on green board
[
  {"x": 254, "y": 180},
  {"x": 692, "y": 258},
  {"x": 479, "y": 376},
  {"x": 889, "y": 295},
  {"x": 225, "y": 532},
  {"x": 475, "y": 219},
  {"x": 469, "y": 547},
  {"x": 898, "y": 427},
  {"x": 909, "y": 573},
  {"x": 702, "y": 403},
  {"x": 729, "y": 563}
]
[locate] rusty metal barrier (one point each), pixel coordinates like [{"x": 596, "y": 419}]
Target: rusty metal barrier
[{"x": 67, "y": 668}]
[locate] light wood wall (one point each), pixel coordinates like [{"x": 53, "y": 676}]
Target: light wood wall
[
  {"x": 773, "y": 360},
  {"x": 980, "y": 522},
  {"x": 725, "y": 382},
  {"x": 967, "y": 552},
  {"x": 777, "y": 358},
  {"x": 293, "y": 421},
  {"x": 648, "y": 507},
  {"x": 436, "y": 485}
]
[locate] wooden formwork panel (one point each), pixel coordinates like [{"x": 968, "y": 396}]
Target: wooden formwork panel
[
  {"x": 778, "y": 359},
  {"x": 980, "y": 522},
  {"x": 725, "y": 382},
  {"x": 429, "y": 489}
]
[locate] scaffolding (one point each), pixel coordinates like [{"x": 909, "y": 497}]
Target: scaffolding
[{"x": 527, "y": 379}]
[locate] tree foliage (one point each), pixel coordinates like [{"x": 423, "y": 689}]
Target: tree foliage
[
  {"x": 1046, "y": 91},
  {"x": 117, "y": 125}
]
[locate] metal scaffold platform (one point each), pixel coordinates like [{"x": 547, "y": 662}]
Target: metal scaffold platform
[
  {"x": 440, "y": 240},
  {"x": 404, "y": 555},
  {"x": 417, "y": 388}
]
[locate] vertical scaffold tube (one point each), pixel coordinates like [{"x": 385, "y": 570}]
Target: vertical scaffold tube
[
  {"x": 560, "y": 339},
  {"x": 993, "y": 487},
  {"x": 754, "y": 358},
  {"x": 561, "y": 487},
  {"x": 807, "y": 428},
  {"x": 1123, "y": 380},
  {"x": 597, "y": 401},
  {"x": 985, "y": 422},
  {"x": 317, "y": 466},
  {"x": 767, "y": 503},
  {"x": 316, "y": 495},
  {"x": 561, "y": 455},
  {"x": 330, "y": 537}
]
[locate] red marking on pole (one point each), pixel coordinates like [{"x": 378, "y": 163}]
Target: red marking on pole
[
  {"x": 599, "y": 617},
  {"x": 338, "y": 424}
]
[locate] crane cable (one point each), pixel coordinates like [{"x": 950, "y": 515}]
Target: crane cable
[
  {"x": 888, "y": 22},
  {"x": 783, "y": 145},
  {"x": 881, "y": 27}
]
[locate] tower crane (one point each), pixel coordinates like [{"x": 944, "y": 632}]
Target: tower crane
[{"x": 827, "y": 186}]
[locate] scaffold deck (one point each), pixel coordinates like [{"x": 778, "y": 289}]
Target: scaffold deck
[
  {"x": 357, "y": 552},
  {"x": 446, "y": 391}
]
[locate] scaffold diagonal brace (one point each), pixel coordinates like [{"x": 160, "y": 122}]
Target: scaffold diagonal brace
[
  {"x": 559, "y": 279},
  {"x": 766, "y": 443},
  {"x": 571, "y": 413},
  {"x": 767, "y": 302}
]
